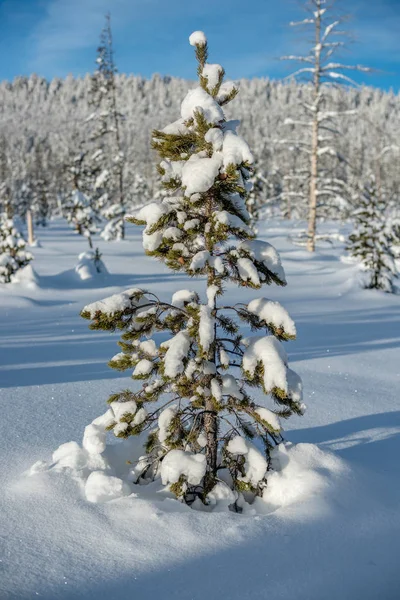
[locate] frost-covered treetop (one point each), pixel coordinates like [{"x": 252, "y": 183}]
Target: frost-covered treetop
[
  {"x": 197, "y": 38},
  {"x": 205, "y": 167}
]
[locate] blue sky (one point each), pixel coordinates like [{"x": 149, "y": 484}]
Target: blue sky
[{"x": 57, "y": 37}]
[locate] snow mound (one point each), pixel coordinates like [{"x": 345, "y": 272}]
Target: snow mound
[
  {"x": 26, "y": 277},
  {"x": 89, "y": 266},
  {"x": 103, "y": 488},
  {"x": 300, "y": 473}
]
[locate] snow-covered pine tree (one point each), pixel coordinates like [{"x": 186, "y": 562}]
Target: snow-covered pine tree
[
  {"x": 205, "y": 424},
  {"x": 81, "y": 214},
  {"x": 5, "y": 178},
  {"x": 39, "y": 187},
  {"x": 372, "y": 239},
  {"x": 294, "y": 193},
  {"x": 78, "y": 209},
  {"x": 13, "y": 255},
  {"x": 106, "y": 121},
  {"x": 256, "y": 197}
]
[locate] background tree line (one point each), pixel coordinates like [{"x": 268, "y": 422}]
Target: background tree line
[{"x": 42, "y": 125}]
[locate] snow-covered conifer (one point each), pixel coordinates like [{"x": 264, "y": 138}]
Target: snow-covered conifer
[
  {"x": 294, "y": 193},
  {"x": 81, "y": 215},
  {"x": 108, "y": 159},
  {"x": 211, "y": 398},
  {"x": 13, "y": 255},
  {"x": 80, "y": 210},
  {"x": 5, "y": 178},
  {"x": 372, "y": 239},
  {"x": 39, "y": 187},
  {"x": 256, "y": 196}
]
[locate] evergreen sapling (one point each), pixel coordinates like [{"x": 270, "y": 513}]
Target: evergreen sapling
[
  {"x": 81, "y": 212},
  {"x": 208, "y": 437},
  {"x": 13, "y": 255},
  {"x": 109, "y": 159},
  {"x": 372, "y": 240}
]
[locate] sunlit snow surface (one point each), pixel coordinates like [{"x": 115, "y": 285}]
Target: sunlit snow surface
[{"x": 329, "y": 526}]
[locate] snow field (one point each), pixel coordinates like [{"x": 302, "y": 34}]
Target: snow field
[{"x": 328, "y": 525}]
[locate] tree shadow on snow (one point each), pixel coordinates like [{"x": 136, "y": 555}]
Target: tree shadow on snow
[
  {"x": 373, "y": 440},
  {"x": 346, "y": 332},
  {"x": 329, "y": 554},
  {"x": 61, "y": 352},
  {"x": 69, "y": 280}
]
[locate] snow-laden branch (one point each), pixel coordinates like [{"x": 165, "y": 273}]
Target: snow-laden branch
[
  {"x": 303, "y": 22},
  {"x": 326, "y": 150},
  {"x": 333, "y": 45},
  {"x": 307, "y": 59},
  {"x": 334, "y": 75},
  {"x": 290, "y": 121},
  {"x": 386, "y": 149},
  {"x": 334, "y": 65},
  {"x": 299, "y": 71},
  {"x": 328, "y": 30}
]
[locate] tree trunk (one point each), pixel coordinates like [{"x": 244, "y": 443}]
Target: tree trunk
[
  {"x": 312, "y": 208},
  {"x": 115, "y": 117},
  {"x": 210, "y": 414},
  {"x": 211, "y": 429},
  {"x": 29, "y": 223},
  {"x": 289, "y": 208}
]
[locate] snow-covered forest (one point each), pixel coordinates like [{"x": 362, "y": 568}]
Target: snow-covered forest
[
  {"x": 200, "y": 330},
  {"x": 43, "y": 125}
]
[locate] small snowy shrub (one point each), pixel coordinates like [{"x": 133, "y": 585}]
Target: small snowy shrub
[
  {"x": 13, "y": 255},
  {"x": 207, "y": 436},
  {"x": 114, "y": 229},
  {"x": 372, "y": 239},
  {"x": 81, "y": 215},
  {"x": 90, "y": 264}
]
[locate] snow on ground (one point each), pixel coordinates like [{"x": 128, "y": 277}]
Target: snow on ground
[{"x": 332, "y": 526}]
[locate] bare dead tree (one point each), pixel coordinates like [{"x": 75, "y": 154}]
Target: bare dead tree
[{"x": 322, "y": 124}]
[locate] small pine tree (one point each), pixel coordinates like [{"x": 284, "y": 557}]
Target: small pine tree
[
  {"x": 13, "y": 255},
  {"x": 81, "y": 215},
  {"x": 372, "y": 239},
  {"x": 108, "y": 164},
  {"x": 256, "y": 197},
  {"x": 40, "y": 204},
  {"x": 80, "y": 211},
  {"x": 113, "y": 230},
  {"x": 204, "y": 424}
]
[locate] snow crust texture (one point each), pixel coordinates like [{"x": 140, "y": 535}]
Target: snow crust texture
[{"x": 331, "y": 504}]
